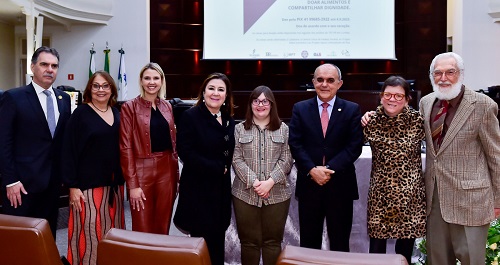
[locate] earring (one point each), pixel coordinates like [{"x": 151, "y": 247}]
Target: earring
[{"x": 224, "y": 104}]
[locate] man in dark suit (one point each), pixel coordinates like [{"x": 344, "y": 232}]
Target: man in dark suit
[
  {"x": 325, "y": 139},
  {"x": 31, "y": 130}
]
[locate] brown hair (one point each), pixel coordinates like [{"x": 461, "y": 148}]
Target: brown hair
[
  {"x": 396, "y": 80},
  {"x": 228, "y": 103},
  {"x": 274, "y": 120},
  {"x": 87, "y": 93}
]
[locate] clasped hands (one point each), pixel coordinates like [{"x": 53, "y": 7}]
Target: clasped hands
[
  {"x": 321, "y": 174},
  {"x": 262, "y": 188}
]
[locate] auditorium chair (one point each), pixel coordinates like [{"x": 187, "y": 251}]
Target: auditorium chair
[
  {"x": 127, "y": 247},
  {"x": 26, "y": 240},
  {"x": 292, "y": 255}
]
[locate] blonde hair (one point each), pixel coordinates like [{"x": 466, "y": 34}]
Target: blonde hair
[{"x": 154, "y": 66}]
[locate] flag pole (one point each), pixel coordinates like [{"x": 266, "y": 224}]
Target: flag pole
[
  {"x": 106, "y": 58},
  {"x": 122, "y": 75},
  {"x": 92, "y": 61}
]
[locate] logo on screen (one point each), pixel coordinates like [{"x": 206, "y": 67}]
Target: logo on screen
[
  {"x": 304, "y": 54},
  {"x": 252, "y": 12},
  {"x": 254, "y": 54}
]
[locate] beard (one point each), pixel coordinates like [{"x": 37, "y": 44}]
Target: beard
[{"x": 447, "y": 94}]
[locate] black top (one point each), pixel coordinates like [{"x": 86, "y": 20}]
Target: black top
[
  {"x": 91, "y": 152},
  {"x": 160, "y": 132}
]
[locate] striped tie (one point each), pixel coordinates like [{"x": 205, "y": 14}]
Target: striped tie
[{"x": 438, "y": 124}]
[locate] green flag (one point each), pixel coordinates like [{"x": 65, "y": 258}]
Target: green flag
[{"x": 106, "y": 60}]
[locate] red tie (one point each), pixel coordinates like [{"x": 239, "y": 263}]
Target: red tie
[
  {"x": 324, "y": 117},
  {"x": 438, "y": 124}
]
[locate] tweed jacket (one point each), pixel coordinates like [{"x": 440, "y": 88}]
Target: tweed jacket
[
  {"x": 261, "y": 154},
  {"x": 466, "y": 168}
]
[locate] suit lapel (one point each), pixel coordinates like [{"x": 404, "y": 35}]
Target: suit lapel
[
  {"x": 59, "y": 100},
  {"x": 427, "y": 108},
  {"x": 60, "y": 107},
  {"x": 337, "y": 109},
  {"x": 36, "y": 107},
  {"x": 314, "y": 118},
  {"x": 461, "y": 116}
]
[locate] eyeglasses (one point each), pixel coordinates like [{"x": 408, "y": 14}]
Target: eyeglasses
[
  {"x": 96, "y": 86},
  {"x": 328, "y": 80},
  {"x": 388, "y": 96},
  {"x": 449, "y": 73},
  {"x": 265, "y": 102}
]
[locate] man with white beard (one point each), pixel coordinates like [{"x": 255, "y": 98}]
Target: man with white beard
[{"x": 462, "y": 175}]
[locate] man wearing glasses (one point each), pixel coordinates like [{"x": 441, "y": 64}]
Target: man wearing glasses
[
  {"x": 32, "y": 122},
  {"x": 325, "y": 140},
  {"x": 462, "y": 175}
]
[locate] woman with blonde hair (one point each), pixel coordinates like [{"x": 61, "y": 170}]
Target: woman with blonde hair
[{"x": 148, "y": 153}]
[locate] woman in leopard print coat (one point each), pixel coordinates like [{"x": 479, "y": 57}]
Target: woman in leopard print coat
[{"x": 396, "y": 197}]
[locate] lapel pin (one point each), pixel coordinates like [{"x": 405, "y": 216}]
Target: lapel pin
[
  {"x": 59, "y": 97},
  {"x": 339, "y": 109}
]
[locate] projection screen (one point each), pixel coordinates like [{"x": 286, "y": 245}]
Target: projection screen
[{"x": 298, "y": 29}]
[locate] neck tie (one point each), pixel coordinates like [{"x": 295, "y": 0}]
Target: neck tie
[
  {"x": 438, "y": 124},
  {"x": 324, "y": 117},
  {"x": 51, "y": 117}
]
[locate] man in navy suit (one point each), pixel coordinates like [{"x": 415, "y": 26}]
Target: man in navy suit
[
  {"x": 31, "y": 130},
  {"x": 325, "y": 139}
]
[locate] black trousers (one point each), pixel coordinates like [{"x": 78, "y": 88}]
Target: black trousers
[
  {"x": 215, "y": 240},
  {"x": 38, "y": 205},
  {"x": 313, "y": 210}
]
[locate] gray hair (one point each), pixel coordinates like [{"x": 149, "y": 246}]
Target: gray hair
[{"x": 458, "y": 60}]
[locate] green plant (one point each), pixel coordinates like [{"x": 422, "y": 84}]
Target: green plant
[
  {"x": 493, "y": 243},
  {"x": 422, "y": 258}
]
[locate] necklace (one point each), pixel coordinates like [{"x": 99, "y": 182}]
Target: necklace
[{"x": 103, "y": 111}]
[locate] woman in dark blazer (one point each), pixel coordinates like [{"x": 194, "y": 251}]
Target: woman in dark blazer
[{"x": 205, "y": 143}]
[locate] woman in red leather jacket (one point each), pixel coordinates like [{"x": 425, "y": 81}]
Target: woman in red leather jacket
[{"x": 148, "y": 154}]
